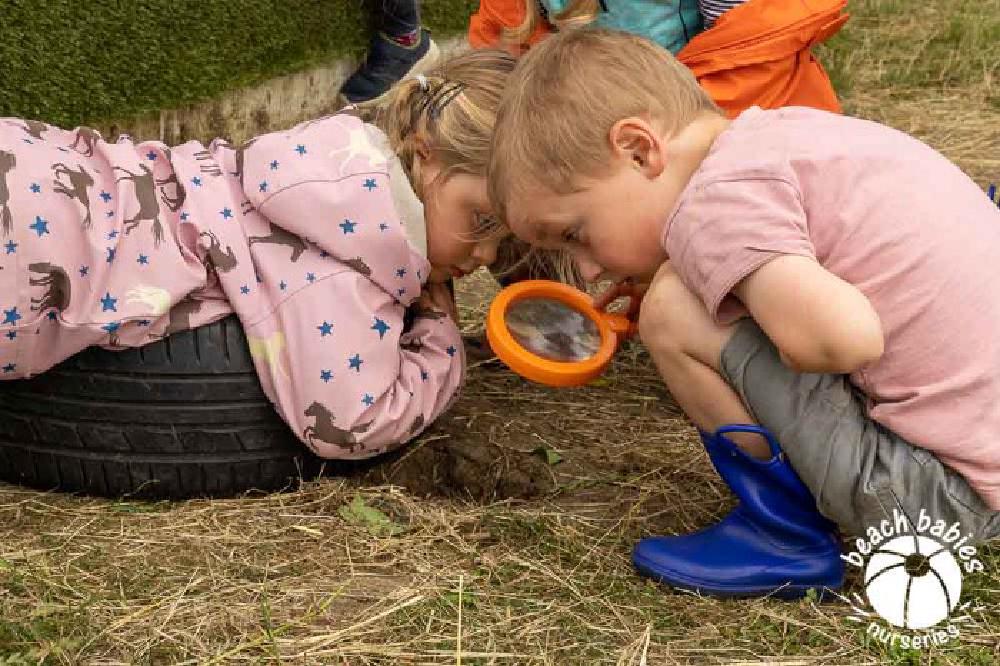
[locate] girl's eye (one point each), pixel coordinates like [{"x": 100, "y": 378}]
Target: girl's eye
[
  {"x": 484, "y": 225},
  {"x": 571, "y": 235}
]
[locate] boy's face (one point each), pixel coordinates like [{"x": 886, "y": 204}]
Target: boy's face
[{"x": 611, "y": 225}]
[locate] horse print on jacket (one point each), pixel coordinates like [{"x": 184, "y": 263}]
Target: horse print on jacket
[
  {"x": 79, "y": 181},
  {"x": 57, "y": 286},
  {"x": 279, "y": 236},
  {"x": 325, "y": 431},
  {"x": 216, "y": 258},
  {"x": 7, "y": 163},
  {"x": 145, "y": 194}
]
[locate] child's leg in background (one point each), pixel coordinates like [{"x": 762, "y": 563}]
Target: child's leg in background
[
  {"x": 399, "y": 48},
  {"x": 857, "y": 471}
]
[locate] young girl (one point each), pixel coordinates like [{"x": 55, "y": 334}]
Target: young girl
[
  {"x": 750, "y": 52},
  {"x": 333, "y": 242}
]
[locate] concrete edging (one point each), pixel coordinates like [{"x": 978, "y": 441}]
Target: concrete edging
[{"x": 239, "y": 114}]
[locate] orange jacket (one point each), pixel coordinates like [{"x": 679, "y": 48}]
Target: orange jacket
[
  {"x": 487, "y": 24},
  {"x": 757, "y": 53}
]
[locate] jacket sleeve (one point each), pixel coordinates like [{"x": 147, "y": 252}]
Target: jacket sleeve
[{"x": 336, "y": 361}]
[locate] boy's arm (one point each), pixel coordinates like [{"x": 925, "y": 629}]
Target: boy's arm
[{"x": 818, "y": 322}]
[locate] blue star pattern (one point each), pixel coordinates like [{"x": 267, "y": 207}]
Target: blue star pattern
[
  {"x": 111, "y": 327},
  {"x": 11, "y": 335},
  {"x": 109, "y": 303},
  {"x": 368, "y": 400},
  {"x": 325, "y": 329},
  {"x": 310, "y": 277},
  {"x": 84, "y": 270},
  {"x": 143, "y": 260},
  {"x": 274, "y": 165},
  {"x": 451, "y": 350},
  {"x": 348, "y": 226},
  {"x": 11, "y": 247},
  {"x": 12, "y": 316},
  {"x": 10, "y": 367},
  {"x": 244, "y": 290},
  {"x": 105, "y": 196},
  {"x": 112, "y": 235},
  {"x": 263, "y": 186},
  {"x": 40, "y": 226},
  {"x": 226, "y": 213},
  {"x": 381, "y": 327},
  {"x": 196, "y": 181},
  {"x": 151, "y": 156},
  {"x": 111, "y": 254},
  {"x": 354, "y": 363},
  {"x": 401, "y": 273},
  {"x": 383, "y": 226},
  {"x": 369, "y": 184},
  {"x": 36, "y": 188},
  {"x": 300, "y": 149},
  {"x": 326, "y": 375}
]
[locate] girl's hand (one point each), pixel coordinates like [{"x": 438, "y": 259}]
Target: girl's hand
[
  {"x": 624, "y": 289},
  {"x": 438, "y": 296}
]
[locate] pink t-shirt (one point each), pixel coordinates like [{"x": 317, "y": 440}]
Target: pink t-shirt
[{"x": 889, "y": 215}]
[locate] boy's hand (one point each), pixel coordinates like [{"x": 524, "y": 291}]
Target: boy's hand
[{"x": 624, "y": 289}]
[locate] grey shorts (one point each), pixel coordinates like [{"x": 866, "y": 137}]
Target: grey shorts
[{"x": 857, "y": 470}]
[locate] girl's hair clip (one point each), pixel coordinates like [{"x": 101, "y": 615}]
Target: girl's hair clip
[{"x": 422, "y": 82}]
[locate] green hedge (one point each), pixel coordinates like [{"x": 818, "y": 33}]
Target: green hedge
[{"x": 83, "y": 61}]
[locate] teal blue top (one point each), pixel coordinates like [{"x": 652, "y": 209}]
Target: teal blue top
[{"x": 669, "y": 23}]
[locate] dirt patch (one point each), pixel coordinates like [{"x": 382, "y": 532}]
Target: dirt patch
[{"x": 454, "y": 460}]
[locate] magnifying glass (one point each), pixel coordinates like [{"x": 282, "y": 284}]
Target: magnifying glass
[{"x": 551, "y": 333}]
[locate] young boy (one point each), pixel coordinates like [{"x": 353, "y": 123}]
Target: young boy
[{"x": 830, "y": 279}]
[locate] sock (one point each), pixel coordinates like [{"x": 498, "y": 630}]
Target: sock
[{"x": 407, "y": 39}]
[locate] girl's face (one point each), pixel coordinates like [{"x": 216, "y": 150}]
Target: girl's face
[{"x": 457, "y": 214}]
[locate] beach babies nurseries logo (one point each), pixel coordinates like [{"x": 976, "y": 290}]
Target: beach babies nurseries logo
[{"x": 912, "y": 573}]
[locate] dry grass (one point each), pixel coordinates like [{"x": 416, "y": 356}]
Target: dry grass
[{"x": 287, "y": 578}]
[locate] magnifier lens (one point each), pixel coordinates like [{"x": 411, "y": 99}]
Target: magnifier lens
[{"x": 552, "y": 330}]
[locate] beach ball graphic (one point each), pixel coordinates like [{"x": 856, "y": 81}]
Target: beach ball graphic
[{"x": 911, "y": 591}]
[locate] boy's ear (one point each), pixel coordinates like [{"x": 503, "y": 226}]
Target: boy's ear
[{"x": 635, "y": 140}]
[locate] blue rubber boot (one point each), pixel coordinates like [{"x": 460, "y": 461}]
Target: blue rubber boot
[{"x": 774, "y": 542}]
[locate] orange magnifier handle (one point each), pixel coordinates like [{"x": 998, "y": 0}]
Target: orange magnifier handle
[{"x": 612, "y": 329}]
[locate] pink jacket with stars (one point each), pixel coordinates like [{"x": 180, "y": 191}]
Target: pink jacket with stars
[{"x": 296, "y": 232}]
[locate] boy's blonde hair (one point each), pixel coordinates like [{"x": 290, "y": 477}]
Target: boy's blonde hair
[
  {"x": 576, "y": 14},
  {"x": 567, "y": 93}
]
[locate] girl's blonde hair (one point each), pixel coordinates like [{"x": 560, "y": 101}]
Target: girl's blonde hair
[
  {"x": 452, "y": 110},
  {"x": 576, "y": 13}
]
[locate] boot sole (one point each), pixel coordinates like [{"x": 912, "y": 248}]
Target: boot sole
[
  {"x": 788, "y": 592},
  {"x": 428, "y": 61}
]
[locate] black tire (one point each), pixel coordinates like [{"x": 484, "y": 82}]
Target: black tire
[{"x": 182, "y": 417}]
